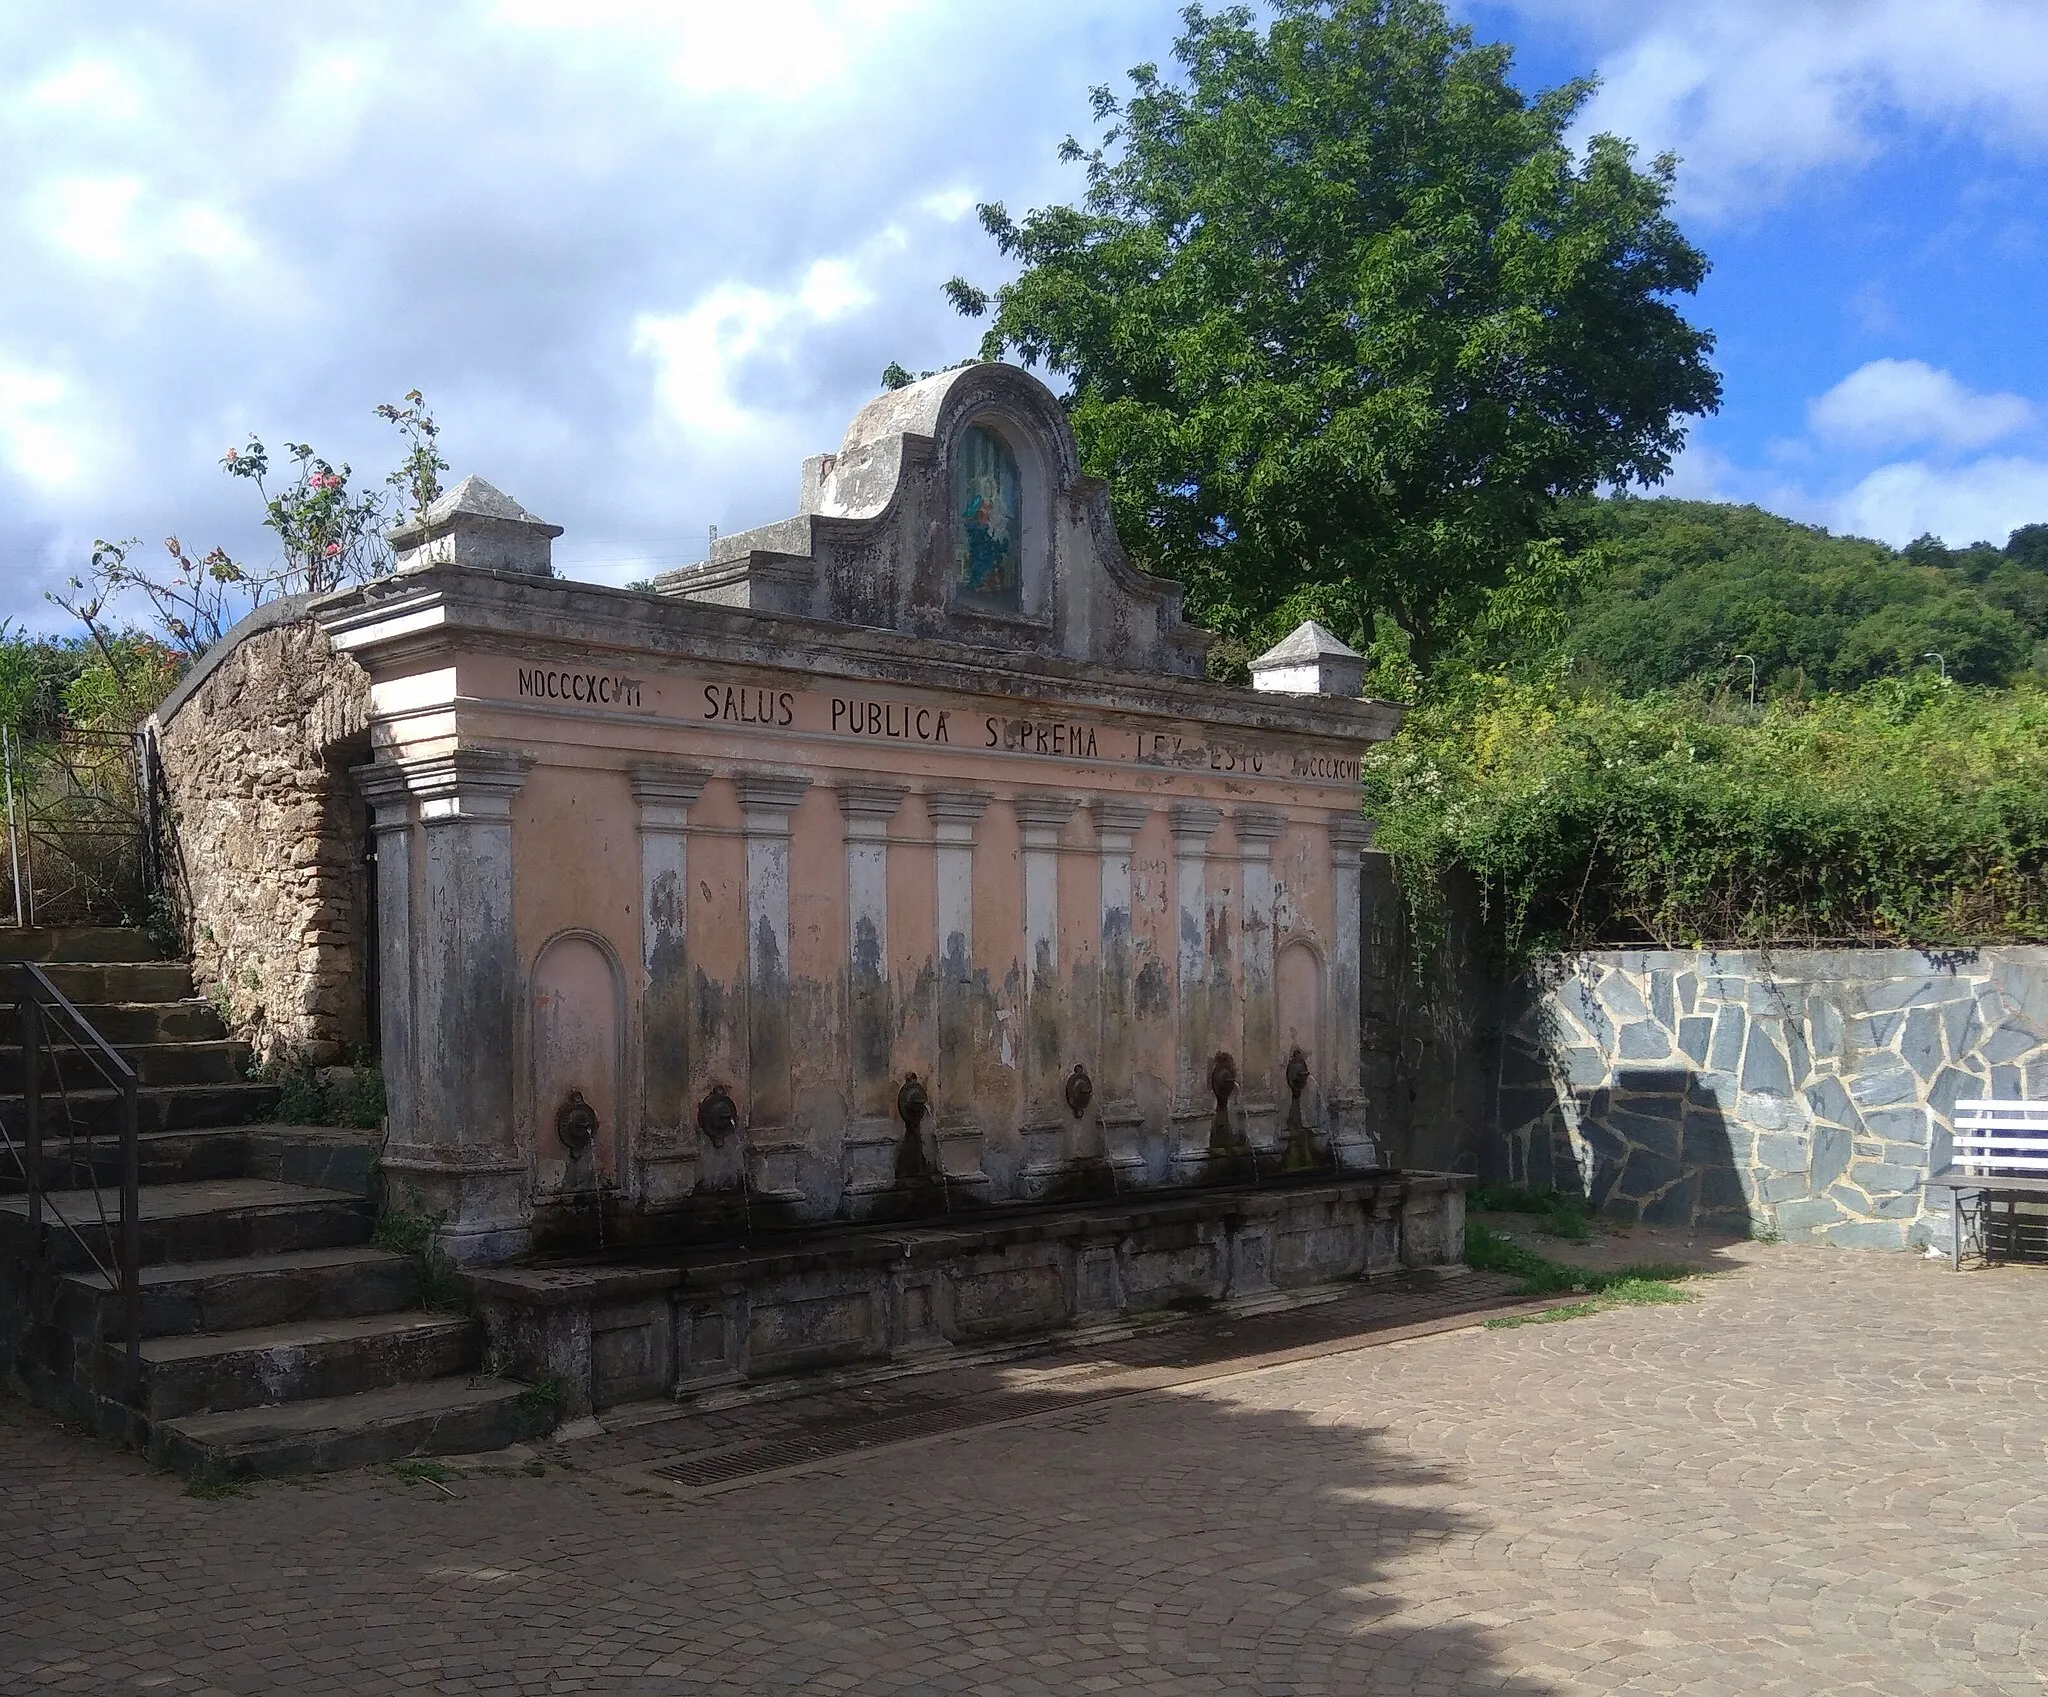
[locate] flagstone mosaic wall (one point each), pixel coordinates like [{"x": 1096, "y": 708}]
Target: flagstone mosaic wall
[{"x": 1805, "y": 1092}]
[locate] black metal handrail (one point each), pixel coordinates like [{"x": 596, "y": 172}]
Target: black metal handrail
[{"x": 38, "y": 999}]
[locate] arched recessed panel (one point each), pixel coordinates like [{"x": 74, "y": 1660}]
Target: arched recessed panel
[
  {"x": 1298, "y": 992},
  {"x": 987, "y": 521},
  {"x": 575, "y": 1025}
]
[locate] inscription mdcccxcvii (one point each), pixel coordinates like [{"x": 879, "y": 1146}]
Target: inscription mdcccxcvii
[{"x": 601, "y": 689}]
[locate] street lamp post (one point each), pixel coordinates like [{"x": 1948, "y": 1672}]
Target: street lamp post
[
  {"x": 1935, "y": 656},
  {"x": 1751, "y": 658}
]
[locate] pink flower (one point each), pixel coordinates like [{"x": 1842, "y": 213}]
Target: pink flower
[{"x": 333, "y": 548}]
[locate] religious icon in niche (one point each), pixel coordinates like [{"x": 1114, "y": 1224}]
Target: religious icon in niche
[{"x": 985, "y": 499}]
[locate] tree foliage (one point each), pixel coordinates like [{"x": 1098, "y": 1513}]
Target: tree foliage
[
  {"x": 1343, "y": 314},
  {"x": 1688, "y": 586}
]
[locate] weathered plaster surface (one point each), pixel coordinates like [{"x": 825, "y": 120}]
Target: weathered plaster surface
[
  {"x": 872, "y": 905},
  {"x": 613, "y": 1334}
]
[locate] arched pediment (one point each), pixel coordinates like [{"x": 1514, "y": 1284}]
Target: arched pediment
[{"x": 955, "y": 507}]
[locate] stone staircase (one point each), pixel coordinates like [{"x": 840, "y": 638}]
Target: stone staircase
[{"x": 275, "y": 1336}]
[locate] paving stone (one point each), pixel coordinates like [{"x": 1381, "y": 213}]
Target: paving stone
[{"x": 1822, "y": 1477}]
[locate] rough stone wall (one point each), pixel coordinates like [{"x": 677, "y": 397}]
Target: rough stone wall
[
  {"x": 270, "y": 840},
  {"x": 1806, "y": 1092}
]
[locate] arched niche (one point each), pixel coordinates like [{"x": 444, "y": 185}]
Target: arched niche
[
  {"x": 1299, "y": 999},
  {"x": 1000, "y": 519},
  {"x": 576, "y": 1027}
]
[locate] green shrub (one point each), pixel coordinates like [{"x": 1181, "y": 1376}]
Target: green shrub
[
  {"x": 1911, "y": 813},
  {"x": 305, "y": 1097},
  {"x": 409, "y": 1229},
  {"x": 1563, "y": 1216}
]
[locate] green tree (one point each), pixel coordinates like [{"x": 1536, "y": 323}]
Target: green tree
[
  {"x": 1689, "y": 585},
  {"x": 1343, "y": 315}
]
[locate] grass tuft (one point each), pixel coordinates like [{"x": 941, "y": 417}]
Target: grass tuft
[
  {"x": 1563, "y": 1217},
  {"x": 411, "y": 1231},
  {"x": 1650, "y": 1284}
]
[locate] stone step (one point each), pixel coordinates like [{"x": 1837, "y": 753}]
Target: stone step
[
  {"x": 122, "y": 1023},
  {"x": 205, "y": 1221},
  {"x": 442, "y": 1417},
  {"x": 158, "y": 1107},
  {"x": 128, "y": 981},
  {"x": 215, "y": 1372},
  {"x": 214, "y": 1061},
  {"x": 163, "y": 1157},
  {"x": 76, "y": 943},
  {"x": 326, "y": 1157},
  {"x": 183, "y": 1298}
]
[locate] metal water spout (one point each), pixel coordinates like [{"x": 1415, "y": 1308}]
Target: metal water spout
[{"x": 913, "y": 1103}]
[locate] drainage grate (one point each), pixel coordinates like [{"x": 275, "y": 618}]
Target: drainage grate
[{"x": 920, "y": 1419}]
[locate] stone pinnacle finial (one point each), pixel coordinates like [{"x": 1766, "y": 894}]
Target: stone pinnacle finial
[
  {"x": 1310, "y": 661},
  {"x": 476, "y": 525}
]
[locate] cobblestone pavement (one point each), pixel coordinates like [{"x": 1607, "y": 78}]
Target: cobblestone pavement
[{"x": 1827, "y": 1474}]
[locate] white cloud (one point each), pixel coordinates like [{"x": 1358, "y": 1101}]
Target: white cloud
[
  {"x": 949, "y": 205},
  {"x": 700, "y": 354},
  {"x": 641, "y": 257},
  {"x": 87, "y": 88},
  {"x": 1984, "y": 501},
  {"x": 113, "y": 223},
  {"x": 40, "y": 435},
  {"x": 781, "y": 50},
  {"x": 1755, "y": 94},
  {"x": 1907, "y": 403}
]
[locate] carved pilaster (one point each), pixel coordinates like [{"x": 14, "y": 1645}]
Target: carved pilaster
[
  {"x": 875, "y": 1132},
  {"x": 1117, "y": 824},
  {"x": 1192, "y": 824},
  {"x": 766, "y": 802},
  {"x": 1040, "y": 819},
  {"x": 460, "y": 1155},
  {"x": 1257, "y": 829},
  {"x": 1352, "y": 1143},
  {"x": 667, "y": 1157},
  {"x": 958, "y": 1127}
]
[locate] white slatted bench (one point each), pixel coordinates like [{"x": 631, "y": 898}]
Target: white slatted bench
[{"x": 2001, "y": 1154}]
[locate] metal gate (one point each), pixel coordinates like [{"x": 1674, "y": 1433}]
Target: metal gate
[{"x": 82, "y": 828}]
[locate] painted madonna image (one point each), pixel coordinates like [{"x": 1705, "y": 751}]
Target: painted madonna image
[{"x": 986, "y": 501}]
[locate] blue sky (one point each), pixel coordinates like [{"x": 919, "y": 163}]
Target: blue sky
[{"x": 644, "y": 257}]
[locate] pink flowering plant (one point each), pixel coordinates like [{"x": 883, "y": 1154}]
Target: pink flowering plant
[{"x": 330, "y": 535}]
